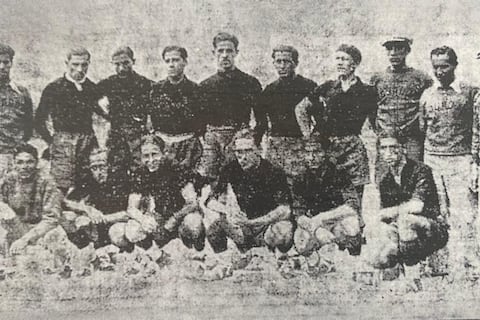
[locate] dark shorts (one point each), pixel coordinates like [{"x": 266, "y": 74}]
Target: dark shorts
[
  {"x": 351, "y": 155},
  {"x": 286, "y": 153},
  {"x": 412, "y": 252},
  {"x": 63, "y": 153}
]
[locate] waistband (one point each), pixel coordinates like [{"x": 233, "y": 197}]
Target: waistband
[{"x": 174, "y": 138}]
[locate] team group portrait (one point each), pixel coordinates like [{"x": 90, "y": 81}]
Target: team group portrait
[{"x": 341, "y": 181}]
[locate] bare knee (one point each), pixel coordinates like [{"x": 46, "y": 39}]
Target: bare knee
[
  {"x": 280, "y": 235},
  {"x": 324, "y": 236},
  {"x": 349, "y": 227},
  {"x": 193, "y": 222},
  {"x": 117, "y": 236}
]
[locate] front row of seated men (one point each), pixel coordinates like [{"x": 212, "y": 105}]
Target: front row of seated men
[{"x": 251, "y": 203}]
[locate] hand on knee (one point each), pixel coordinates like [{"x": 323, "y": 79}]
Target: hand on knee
[
  {"x": 324, "y": 237},
  {"x": 305, "y": 243},
  {"x": 350, "y": 226}
]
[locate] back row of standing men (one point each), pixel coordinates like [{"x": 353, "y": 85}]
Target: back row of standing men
[{"x": 197, "y": 123}]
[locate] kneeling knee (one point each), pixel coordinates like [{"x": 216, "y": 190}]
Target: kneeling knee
[
  {"x": 350, "y": 226},
  {"x": 117, "y": 236},
  {"x": 192, "y": 222},
  {"x": 280, "y": 235}
]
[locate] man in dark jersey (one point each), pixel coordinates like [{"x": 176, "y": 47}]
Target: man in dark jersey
[
  {"x": 100, "y": 197},
  {"x": 326, "y": 206},
  {"x": 252, "y": 200},
  {"x": 410, "y": 227},
  {"x": 162, "y": 204},
  {"x": 229, "y": 96},
  {"x": 277, "y": 107},
  {"x": 70, "y": 102},
  {"x": 174, "y": 108},
  {"x": 125, "y": 95},
  {"x": 340, "y": 108}
]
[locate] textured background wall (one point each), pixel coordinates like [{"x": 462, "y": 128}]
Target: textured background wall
[{"x": 42, "y": 31}]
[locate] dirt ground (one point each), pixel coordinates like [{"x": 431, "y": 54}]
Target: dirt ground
[{"x": 257, "y": 291}]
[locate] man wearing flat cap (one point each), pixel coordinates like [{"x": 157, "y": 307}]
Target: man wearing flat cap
[
  {"x": 125, "y": 95},
  {"x": 399, "y": 89},
  {"x": 16, "y": 116}
]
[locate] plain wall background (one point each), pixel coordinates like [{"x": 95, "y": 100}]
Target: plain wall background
[{"x": 41, "y": 32}]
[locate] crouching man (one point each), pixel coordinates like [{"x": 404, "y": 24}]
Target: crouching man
[
  {"x": 252, "y": 201},
  {"x": 97, "y": 203},
  {"x": 162, "y": 204},
  {"x": 31, "y": 202},
  {"x": 327, "y": 208},
  {"x": 410, "y": 227}
]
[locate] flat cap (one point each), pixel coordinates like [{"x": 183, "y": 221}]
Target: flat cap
[{"x": 396, "y": 39}]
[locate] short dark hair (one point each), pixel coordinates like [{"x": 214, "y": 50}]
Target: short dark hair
[
  {"x": 154, "y": 139},
  {"x": 6, "y": 49},
  {"x": 181, "y": 50},
  {"x": 123, "y": 50},
  {"x": 25, "y": 148},
  {"x": 223, "y": 36},
  {"x": 352, "y": 51},
  {"x": 80, "y": 51},
  {"x": 286, "y": 48},
  {"x": 390, "y": 134},
  {"x": 452, "y": 56}
]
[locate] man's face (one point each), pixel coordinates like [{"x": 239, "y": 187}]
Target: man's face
[
  {"x": 345, "y": 64},
  {"x": 175, "y": 64},
  {"x": 5, "y": 66},
  {"x": 77, "y": 67},
  {"x": 225, "y": 54},
  {"x": 444, "y": 70},
  {"x": 151, "y": 156},
  {"x": 123, "y": 64},
  {"x": 314, "y": 156},
  {"x": 391, "y": 151},
  {"x": 397, "y": 53},
  {"x": 247, "y": 153},
  {"x": 99, "y": 169},
  {"x": 283, "y": 63},
  {"x": 25, "y": 165}
]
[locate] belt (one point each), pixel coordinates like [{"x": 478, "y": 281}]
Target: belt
[{"x": 174, "y": 138}]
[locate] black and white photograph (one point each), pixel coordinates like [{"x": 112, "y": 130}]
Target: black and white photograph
[{"x": 220, "y": 159}]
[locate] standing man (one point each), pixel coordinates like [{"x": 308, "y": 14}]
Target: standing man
[
  {"x": 16, "y": 111},
  {"x": 448, "y": 112},
  {"x": 69, "y": 101},
  {"x": 399, "y": 89},
  {"x": 175, "y": 110},
  {"x": 340, "y": 108},
  {"x": 277, "y": 106},
  {"x": 126, "y": 95},
  {"x": 228, "y": 98}
]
